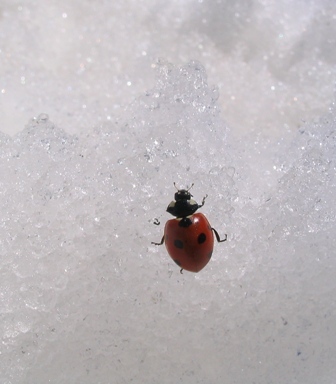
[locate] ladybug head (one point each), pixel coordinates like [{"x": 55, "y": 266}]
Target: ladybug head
[
  {"x": 183, "y": 205},
  {"x": 183, "y": 194}
]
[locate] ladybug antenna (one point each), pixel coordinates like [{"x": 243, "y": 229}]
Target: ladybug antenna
[{"x": 186, "y": 190}]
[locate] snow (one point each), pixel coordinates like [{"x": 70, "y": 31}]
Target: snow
[{"x": 122, "y": 99}]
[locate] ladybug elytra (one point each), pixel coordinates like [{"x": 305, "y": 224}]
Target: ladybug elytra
[{"x": 189, "y": 237}]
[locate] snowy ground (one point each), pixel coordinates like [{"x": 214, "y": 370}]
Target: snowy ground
[{"x": 235, "y": 97}]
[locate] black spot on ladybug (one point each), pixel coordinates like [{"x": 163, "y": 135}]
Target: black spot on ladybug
[
  {"x": 178, "y": 244},
  {"x": 201, "y": 238},
  {"x": 185, "y": 222},
  {"x": 209, "y": 255},
  {"x": 177, "y": 262}
]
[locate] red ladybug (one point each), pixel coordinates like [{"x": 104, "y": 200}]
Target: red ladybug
[{"x": 189, "y": 237}]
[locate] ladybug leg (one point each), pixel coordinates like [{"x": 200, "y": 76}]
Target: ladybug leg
[
  {"x": 217, "y": 236},
  {"x": 156, "y": 221},
  {"x": 162, "y": 240},
  {"x": 181, "y": 271},
  {"x": 203, "y": 201}
]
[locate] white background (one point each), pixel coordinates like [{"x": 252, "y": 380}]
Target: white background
[{"x": 236, "y": 97}]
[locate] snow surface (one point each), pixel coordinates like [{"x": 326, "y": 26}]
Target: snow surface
[{"x": 241, "y": 105}]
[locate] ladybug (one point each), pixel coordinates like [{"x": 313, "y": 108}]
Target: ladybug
[{"x": 189, "y": 238}]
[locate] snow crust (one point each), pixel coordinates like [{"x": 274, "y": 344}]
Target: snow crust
[{"x": 84, "y": 296}]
